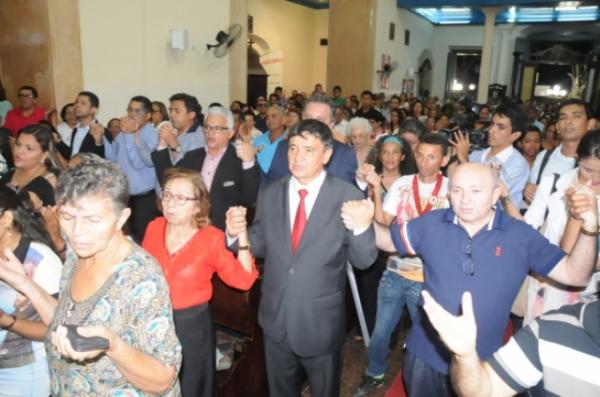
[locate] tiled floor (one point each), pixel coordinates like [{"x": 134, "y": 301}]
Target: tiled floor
[{"x": 355, "y": 362}]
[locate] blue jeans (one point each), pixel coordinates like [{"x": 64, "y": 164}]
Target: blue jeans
[{"x": 393, "y": 293}]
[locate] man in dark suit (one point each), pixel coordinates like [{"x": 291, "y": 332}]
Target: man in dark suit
[
  {"x": 229, "y": 171},
  {"x": 343, "y": 160},
  {"x": 88, "y": 135},
  {"x": 306, "y": 243}
]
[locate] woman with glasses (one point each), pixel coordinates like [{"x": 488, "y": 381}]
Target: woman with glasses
[{"x": 190, "y": 251}]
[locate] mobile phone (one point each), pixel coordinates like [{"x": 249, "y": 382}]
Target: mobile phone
[{"x": 85, "y": 344}]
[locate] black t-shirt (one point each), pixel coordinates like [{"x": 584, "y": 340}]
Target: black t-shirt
[{"x": 39, "y": 185}]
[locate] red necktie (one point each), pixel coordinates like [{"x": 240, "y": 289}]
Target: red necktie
[{"x": 299, "y": 221}]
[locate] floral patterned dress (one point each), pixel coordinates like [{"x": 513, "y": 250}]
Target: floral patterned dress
[{"x": 134, "y": 303}]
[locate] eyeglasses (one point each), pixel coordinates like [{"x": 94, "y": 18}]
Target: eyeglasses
[
  {"x": 136, "y": 111},
  {"x": 468, "y": 266},
  {"x": 25, "y": 96},
  {"x": 214, "y": 128},
  {"x": 178, "y": 199}
]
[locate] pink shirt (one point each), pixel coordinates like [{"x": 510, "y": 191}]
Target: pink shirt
[{"x": 210, "y": 165}]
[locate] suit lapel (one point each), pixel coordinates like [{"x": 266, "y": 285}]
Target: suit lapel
[
  {"x": 284, "y": 207},
  {"x": 223, "y": 164}
]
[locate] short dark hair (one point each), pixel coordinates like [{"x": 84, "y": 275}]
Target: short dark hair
[
  {"x": 435, "y": 139},
  {"x": 518, "y": 118},
  {"x": 337, "y": 87},
  {"x": 63, "y": 111},
  {"x": 189, "y": 101},
  {"x": 367, "y": 92},
  {"x": 146, "y": 103},
  {"x": 412, "y": 125},
  {"x": 249, "y": 113},
  {"x": 395, "y": 97},
  {"x": 578, "y": 102},
  {"x": 34, "y": 92},
  {"x": 589, "y": 145},
  {"x": 92, "y": 97},
  {"x": 315, "y": 128}
]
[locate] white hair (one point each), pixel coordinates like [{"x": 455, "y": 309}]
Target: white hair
[
  {"x": 221, "y": 111},
  {"x": 360, "y": 123}
]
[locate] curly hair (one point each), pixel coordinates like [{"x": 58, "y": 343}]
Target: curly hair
[{"x": 201, "y": 219}]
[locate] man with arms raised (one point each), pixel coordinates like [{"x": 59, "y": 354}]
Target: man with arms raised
[
  {"x": 305, "y": 243},
  {"x": 474, "y": 246},
  {"x": 229, "y": 172},
  {"x": 508, "y": 124},
  {"x": 409, "y": 197}
]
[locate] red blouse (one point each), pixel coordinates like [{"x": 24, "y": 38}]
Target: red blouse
[{"x": 189, "y": 271}]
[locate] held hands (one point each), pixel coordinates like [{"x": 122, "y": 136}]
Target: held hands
[
  {"x": 129, "y": 125},
  {"x": 63, "y": 346},
  {"x": 97, "y": 132},
  {"x": 459, "y": 333},
  {"x": 167, "y": 136},
  {"x": 357, "y": 214},
  {"x": 235, "y": 221},
  {"x": 363, "y": 171},
  {"x": 461, "y": 145},
  {"x": 244, "y": 150},
  {"x": 582, "y": 205}
]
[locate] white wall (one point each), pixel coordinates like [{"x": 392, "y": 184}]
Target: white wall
[
  {"x": 125, "y": 51},
  {"x": 407, "y": 57}
]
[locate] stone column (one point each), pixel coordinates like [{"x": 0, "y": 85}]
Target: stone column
[
  {"x": 486, "y": 54},
  {"x": 351, "y": 47}
]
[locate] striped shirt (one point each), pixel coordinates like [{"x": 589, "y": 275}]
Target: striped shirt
[{"x": 562, "y": 347}]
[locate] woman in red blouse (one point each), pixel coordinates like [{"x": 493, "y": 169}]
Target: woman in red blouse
[{"x": 190, "y": 251}]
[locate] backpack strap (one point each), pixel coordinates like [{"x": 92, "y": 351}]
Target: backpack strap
[{"x": 543, "y": 165}]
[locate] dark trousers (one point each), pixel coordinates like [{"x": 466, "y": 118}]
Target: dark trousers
[
  {"x": 286, "y": 371},
  {"x": 196, "y": 332},
  {"x": 143, "y": 210},
  {"x": 421, "y": 380}
]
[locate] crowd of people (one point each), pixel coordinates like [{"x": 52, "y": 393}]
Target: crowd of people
[{"x": 481, "y": 220}]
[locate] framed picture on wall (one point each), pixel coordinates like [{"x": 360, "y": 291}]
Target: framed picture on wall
[{"x": 408, "y": 87}]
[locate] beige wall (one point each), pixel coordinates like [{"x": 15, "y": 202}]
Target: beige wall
[
  {"x": 125, "y": 51},
  {"x": 295, "y": 31},
  {"x": 351, "y": 45}
]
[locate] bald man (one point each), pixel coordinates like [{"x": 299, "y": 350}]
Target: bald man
[{"x": 474, "y": 246}]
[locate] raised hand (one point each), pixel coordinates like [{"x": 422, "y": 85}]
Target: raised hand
[
  {"x": 461, "y": 145},
  {"x": 167, "y": 136},
  {"x": 235, "y": 221},
  {"x": 363, "y": 170},
  {"x": 97, "y": 132},
  {"x": 244, "y": 150},
  {"x": 582, "y": 205},
  {"x": 129, "y": 125},
  {"x": 459, "y": 333},
  {"x": 357, "y": 214},
  {"x": 12, "y": 270}
]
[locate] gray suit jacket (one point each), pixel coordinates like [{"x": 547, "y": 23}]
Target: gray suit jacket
[{"x": 303, "y": 295}]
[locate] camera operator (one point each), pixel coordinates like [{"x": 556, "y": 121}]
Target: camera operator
[{"x": 508, "y": 123}]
